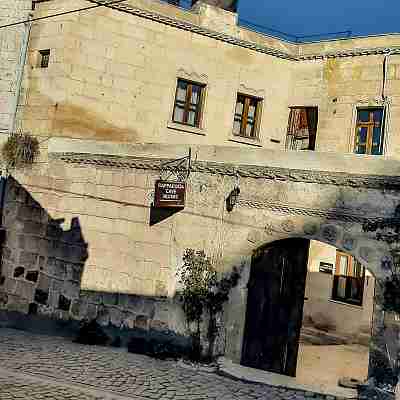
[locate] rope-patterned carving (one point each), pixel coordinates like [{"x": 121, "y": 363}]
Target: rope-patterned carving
[
  {"x": 331, "y": 214},
  {"x": 187, "y": 26},
  {"x": 244, "y": 171}
]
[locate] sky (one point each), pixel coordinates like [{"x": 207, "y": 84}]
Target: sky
[{"x": 309, "y": 17}]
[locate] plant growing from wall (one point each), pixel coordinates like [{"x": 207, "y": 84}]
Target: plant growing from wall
[
  {"x": 20, "y": 151},
  {"x": 202, "y": 293}
]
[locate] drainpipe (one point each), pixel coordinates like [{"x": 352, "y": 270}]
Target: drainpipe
[
  {"x": 20, "y": 73},
  {"x": 386, "y": 102}
]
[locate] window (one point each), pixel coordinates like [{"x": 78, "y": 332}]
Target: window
[
  {"x": 302, "y": 128},
  {"x": 369, "y": 132},
  {"x": 188, "y": 103},
  {"x": 348, "y": 281},
  {"x": 44, "y": 58},
  {"x": 246, "y": 119}
]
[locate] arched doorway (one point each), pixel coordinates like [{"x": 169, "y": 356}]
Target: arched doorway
[{"x": 281, "y": 281}]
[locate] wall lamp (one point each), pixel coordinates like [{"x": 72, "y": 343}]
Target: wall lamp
[{"x": 232, "y": 199}]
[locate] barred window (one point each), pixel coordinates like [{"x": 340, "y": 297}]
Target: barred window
[{"x": 44, "y": 58}]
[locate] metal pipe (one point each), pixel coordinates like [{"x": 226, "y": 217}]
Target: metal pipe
[{"x": 20, "y": 73}]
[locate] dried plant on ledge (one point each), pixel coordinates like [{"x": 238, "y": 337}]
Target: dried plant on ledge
[{"x": 20, "y": 151}]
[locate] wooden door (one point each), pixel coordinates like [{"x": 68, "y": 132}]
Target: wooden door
[{"x": 275, "y": 306}]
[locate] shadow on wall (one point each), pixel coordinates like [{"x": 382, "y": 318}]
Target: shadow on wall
[
  {"x": 42, "y": 264},
  {"x": 40, "y": 281}
]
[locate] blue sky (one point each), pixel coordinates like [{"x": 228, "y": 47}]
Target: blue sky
[{"x": 362, "y": 17}]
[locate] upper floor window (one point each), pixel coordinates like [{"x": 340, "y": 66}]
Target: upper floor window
[
  {"x": 302, "y": 128},
  {"x": 247, "y": 115},
  {"x": 188, "y": 106},
  {"x": 369, "y": 131},
  {"x": 348, "y": 281},
  {"x": 44, "y": 58}
]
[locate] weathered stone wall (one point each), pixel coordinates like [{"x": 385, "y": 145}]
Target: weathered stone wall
[
  {"x": 84, "y": 220},
  {"x": 112, "y": 72},
  {"x": 112, "y": 76},
  {"x": 10, "y": 48}
]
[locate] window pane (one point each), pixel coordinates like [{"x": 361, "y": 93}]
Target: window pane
[
  {"x": 181, "y": 91},
  {"x": 343, "y": 263},
  {"x": 191, "y": 118},
  {"x": 361, "y": 149},
  {"x": 178, "y": 114},
  {"x": 239, "y": 108},
  {"x": 376, "y": 142},
  {"x": 363, "y": 115},
  {"x": 252, "y": 111},
  {"x": 362, "y": 135},
  {"x": 195, "y": 94},
  {"x": 341, "y": 287},
  {"x": 236, "y": 127},
  {"x": 378, "y": 115},
  {"x": 249, "y": 129}
]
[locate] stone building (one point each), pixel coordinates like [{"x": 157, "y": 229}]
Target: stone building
[{"x": 118, "y": 93}]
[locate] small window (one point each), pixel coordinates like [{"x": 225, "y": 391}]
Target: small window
[
  {"x": 369, "y": 131},
  {"x": 188, "y": 106},
  {"x": 348, "y": 281},
  {"x": 44, "y": 58},
  {"x": 246, "y": 119}
]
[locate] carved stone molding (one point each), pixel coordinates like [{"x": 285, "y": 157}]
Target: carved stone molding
[
  {"x": 187, "y": 26},
  {"x": 244, "y": 171},
  {"x": 251, "y": 91},
  {"x": 192, "y": 75}
]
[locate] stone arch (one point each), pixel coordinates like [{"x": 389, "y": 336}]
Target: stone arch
[{"x": 372, "y": 254}]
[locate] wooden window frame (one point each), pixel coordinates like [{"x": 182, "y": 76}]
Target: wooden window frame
[
  {"x": 349, "y": 277},
  {"x": 370, "y": 125},
  {"x": 44, "y": 58},
  {"x": 245, "y": 114},
  {"x": 199, "y": 107}
]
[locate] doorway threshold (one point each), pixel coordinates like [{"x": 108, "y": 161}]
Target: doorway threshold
[{"x": 253, "y": 375}]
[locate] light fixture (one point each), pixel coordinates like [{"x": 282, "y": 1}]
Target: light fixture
[{"x": 232, "y": 199}]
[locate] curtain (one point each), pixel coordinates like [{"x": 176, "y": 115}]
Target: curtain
[{"x": 302, "y": 128}]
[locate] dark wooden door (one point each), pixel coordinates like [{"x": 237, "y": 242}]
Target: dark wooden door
[{"x": 275, "y": 306}]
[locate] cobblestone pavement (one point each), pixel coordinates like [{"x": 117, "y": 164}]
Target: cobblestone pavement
[{"x": 38, "y": 367}]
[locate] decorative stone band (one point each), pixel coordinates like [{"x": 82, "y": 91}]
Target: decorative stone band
[
  {"x": 187, "y": 26},
  {"x": 332, "y": 214},
  {"x": 245, "y": 171}
]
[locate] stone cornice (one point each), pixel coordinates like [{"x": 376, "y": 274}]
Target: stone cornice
[
  {"x": 184, "y": 25},
  {"x": 245, "y": 171}
]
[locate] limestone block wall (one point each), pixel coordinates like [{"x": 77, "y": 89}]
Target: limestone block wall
[
  {"x": 338, "y": 86},
  {"x": 112, "y": 76},
  {"x": 10, "y": 48},
  {"x": 320, "y": 310},
  {"x": 79, "y": 242}
]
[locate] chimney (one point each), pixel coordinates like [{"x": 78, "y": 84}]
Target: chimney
[
  {"x": 217, "y": 15},
  {"x": 228, "y": 5}
]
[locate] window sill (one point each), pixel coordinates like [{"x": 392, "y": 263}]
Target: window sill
[
  {"x": 343, "y": 303},
  {"x": 185, "y": 128},
  {"x": 239, "y": 139}
]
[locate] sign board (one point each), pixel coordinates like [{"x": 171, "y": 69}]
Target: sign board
[
  {"x": 169, "y": 194},
  {"x": 326, "y": 268}
]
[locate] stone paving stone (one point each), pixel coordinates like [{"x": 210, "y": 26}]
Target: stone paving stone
[{"x": 113, "y": 371}]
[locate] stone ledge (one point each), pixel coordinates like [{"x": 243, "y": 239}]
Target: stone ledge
[{"x": 252, "y": 375}]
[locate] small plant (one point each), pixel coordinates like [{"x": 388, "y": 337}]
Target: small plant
[
  {"x": 197, "y": 276},
  {"x": 203, "y": 292},
  {"x": 20, "y": 150}
]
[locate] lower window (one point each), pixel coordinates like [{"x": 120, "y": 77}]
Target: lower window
[{"x": 348, "y": 281}]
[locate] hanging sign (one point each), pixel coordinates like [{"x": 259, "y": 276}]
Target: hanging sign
[{"x": 169, "y": 194}]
